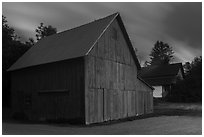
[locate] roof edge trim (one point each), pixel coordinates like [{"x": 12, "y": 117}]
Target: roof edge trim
[
  {"x": 129, "y": 43},
  {"x": 145, "y": 82},
  {"x": 101, "y": 34}
]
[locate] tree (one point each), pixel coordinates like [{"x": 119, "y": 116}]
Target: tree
[
  {"x": 161, "y": 54},
  {"x": 194, "y": 73},
  {"x": 43, "y": 31},
  {"x": 30, "y": 42},
  {"x": 146, "y": 63},
  {"x": 12, "y": 49},
  {"x": 187, "y": 67},
  {"x": 189, "y": 89},
  {"x": 7, "y": 32}
]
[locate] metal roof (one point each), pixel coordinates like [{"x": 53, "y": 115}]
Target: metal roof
[
  {"x": 69, "y": 44},
  {"x": 160, "y": 70},
  {"x": 161, "y": 80},
  {"x": 161, "y": 75}
]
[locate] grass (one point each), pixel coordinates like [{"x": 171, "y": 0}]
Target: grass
[
  {"x": 160, "y": 109},
  {"x": 168, "y": 118}
]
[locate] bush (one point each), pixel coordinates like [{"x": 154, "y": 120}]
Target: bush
[{"x": 183, "y": 91}]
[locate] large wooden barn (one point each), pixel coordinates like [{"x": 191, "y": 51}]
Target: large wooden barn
[{"x": 87, "y": 73}]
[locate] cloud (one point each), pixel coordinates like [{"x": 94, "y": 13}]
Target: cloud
[
  {"x": 185, "y": 23},
  {"x": 178, "y": 24},
  {"x": 183, "y": 52}
]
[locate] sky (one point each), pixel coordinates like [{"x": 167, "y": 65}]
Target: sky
[{"x": 178, "y": 24}]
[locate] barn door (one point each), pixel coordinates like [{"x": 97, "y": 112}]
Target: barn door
[
  {"x": 145, "y": 102},
  {"x": 20, "y": 101},
  {"x": 106, "y": 105}
]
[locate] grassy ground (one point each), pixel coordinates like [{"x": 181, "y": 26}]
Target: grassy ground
[{"x": 168, "y": 118}]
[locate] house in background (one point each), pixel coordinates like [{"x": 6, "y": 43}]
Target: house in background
[
  {"x": 162, "y": 77},
  {"x": 88, "y": 73}
]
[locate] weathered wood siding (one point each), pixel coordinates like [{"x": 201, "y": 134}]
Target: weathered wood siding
[
  {"x": 50, "y": 91},
  {"x": 112, "y": 90}
]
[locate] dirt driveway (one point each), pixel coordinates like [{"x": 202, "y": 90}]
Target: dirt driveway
[{"x": 168, "y": 119}]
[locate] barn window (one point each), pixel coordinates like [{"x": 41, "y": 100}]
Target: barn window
[
  {"x": 54, "y": 92},
  {"x": 114, "y": 34},
  {"x": 28, "y": 101}
]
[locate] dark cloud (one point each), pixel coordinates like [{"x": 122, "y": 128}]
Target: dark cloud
[{"x": 185, "y": 23}]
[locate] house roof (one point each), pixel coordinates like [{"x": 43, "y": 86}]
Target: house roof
[
  {"x": 161, "y": 75},
  {"x": 73, "y": 43},
  {"x": 160, "y": 81},
  {"x": 160, "y": 71}
]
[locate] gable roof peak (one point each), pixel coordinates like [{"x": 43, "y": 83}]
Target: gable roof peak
[
  {"x": 64, "y": 45},
  {"x": 72, "y": 43},
  {"x": 85, "y": 24}
]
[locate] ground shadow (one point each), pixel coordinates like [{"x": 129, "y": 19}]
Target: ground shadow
[{"x": 158, "y": 111}]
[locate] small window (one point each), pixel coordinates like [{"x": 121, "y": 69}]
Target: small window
[
  {"x": 28, "y": 101},
  {"x": 114, "y": 34},
  {"x": 53, "y": 92}
]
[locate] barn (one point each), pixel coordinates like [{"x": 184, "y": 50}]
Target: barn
[
  {"x": 162, "y": 77},
  {"x": 88, "y": 73}
]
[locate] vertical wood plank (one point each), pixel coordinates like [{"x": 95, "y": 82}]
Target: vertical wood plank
[
  {"x": 108, "y": 74},
  {"x": 111, "y": 104},
  {"x": 108, "y": 97},
  {"x": 133, "y": 103},
  {"x": 112, "y": 49},
  {"x": 100, "y": 105},
  {"x": 107, "y": 45},
  {"x": 111, "y": 84},
  {"x": 120, "y": 103},
  {"x": 101, "y": 47},
  {"x": 105, "y": 102},
  {"x": 114, "y": 100},
  {"x": 103, "y": 73},
  {"x": 91, "y": 71},
  {"x": 91, "y": 105},
  {"x": 97, "y": 73},
  {"x": 136, "y": 103},
  {"x": 95, "y": 106},
  {"x": 123, "y": 104}
]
